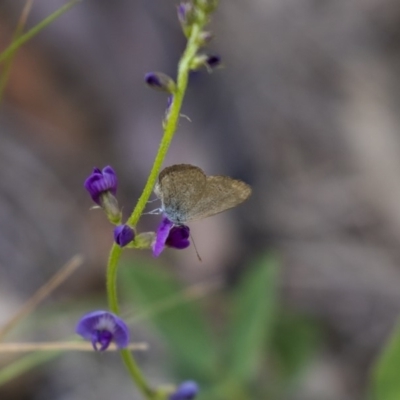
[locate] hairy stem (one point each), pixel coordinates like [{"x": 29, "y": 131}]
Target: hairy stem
[{"x": 170, "y": 127}]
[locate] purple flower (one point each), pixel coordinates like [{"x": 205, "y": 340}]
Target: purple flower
[
  {"x": 186, "y": 391},
  {"x": 102, "y": 328},
  {"x": 178, "y": 237},
  {"x": 123, "y": 234},
  {"x": 170, "y": 235},
  {"x": 160, "y": 81},
  {"x": 100, "y": 182}
]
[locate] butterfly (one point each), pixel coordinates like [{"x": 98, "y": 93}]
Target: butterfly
[{"x": 188, "y": 194}]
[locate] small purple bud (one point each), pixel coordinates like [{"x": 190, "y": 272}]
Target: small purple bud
[
  {"x": 123, "y": 234},
  {"x": 183, "y": 10},
  {"x": 100, "y": 182},
  {"x": 213, "y": 61},
  {"x": 160, "y": 81},
  {"x": 205, "y": 60},
  {"x": 170, "y": 235},
  {"x": 102, "y": 328},
  {"x": 169, "y": 102},
  {"x": 186, "y": 391},
  {"x": 205, "y": 37},
  {"x": 185, "y": 14}
]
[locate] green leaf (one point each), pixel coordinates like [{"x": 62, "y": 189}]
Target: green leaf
[
  {"x": 182, "y": 325},
  {"x": 254, "y": 309},
  {"x": 25, "y": 364},
  {"x": 386, "y": 372},
  {"x": 295, "y": 340}
]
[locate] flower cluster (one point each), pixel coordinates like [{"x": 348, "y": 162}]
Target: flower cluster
[
  {"x": 102, "y": 328},
  {"x": 189, "y": 13},
  {"x": 102, "y": 187}
]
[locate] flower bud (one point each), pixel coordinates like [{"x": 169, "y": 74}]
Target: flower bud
[
  {"x": 102, "y": 187},
  {"x": 205, "y": 37},
  {"x": 123, "y": 235},
  {"x": 186, "y": 16},
  {"x": 186, "y": 391},
  {"x": 160, "y": 81},
  {"x": 205, "y": 60}
]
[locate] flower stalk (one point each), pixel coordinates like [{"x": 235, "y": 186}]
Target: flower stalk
[{"x": 170, "y": 125}]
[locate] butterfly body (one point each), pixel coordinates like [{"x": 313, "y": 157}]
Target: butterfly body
[{"x": 188, "y": 194}]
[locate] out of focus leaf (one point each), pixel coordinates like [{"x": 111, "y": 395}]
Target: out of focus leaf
[
  {"x": 295, "y": 341},
  {"x": 25, "y": 364},
  {"x": 386, "y": 372},
  {"x": 183, "y": 325},
  {"x": 254, "y": 309}
]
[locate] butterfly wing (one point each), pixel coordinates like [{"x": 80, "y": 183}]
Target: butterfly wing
[
  {"x": 221, "y": 193},
  {"x": 179, "y": 188}
]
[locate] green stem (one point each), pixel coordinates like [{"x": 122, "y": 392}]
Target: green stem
[
  {"x": 170, "y": 127},
  {"x": 111, "y": 282},
  {"x": 137, "y": 375},
  {"x": 170, "y": 124}
]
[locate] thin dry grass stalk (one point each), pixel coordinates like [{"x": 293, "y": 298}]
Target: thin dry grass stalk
[
  {"x": 42, "y": 294},
  {"x": 66, "y": 346}
]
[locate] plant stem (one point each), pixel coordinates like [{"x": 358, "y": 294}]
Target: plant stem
[
  {"x": 170, "y": 126},
  {"x": 137, "y": 375},
  {"x": 111, "y": 282}
]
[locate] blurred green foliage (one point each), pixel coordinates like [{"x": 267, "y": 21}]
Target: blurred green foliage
[
  {"x": 256, "y": 334},
  {"x": 385, "y": 378}
]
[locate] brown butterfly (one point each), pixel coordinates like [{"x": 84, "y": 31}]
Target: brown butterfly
[{"x": 188, "y": 194}]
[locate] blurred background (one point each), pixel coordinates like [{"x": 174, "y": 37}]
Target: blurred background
[{"x": 305, "y": 110}]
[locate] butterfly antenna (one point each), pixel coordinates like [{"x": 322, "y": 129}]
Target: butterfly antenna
[{"x": 195, "y": 248}]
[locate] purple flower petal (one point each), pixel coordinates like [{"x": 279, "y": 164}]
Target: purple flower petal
[
  {"x": 102, "y": 328},
  {"x": 168, "y": 234},
  {"x": 102, "y": 338},
  {"x": 123, "y": 234},
  {"x": 186, "y": 391},
  {"x": 162, "y": 236},
  {"x": 100, "y": 182},
  {"x": 178, "y": 237}
]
